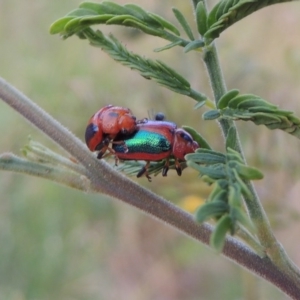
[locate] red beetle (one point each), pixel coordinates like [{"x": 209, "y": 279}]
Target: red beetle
[
  {"x": 155, "y": 141},
  {"x": 106, "y": 124}
]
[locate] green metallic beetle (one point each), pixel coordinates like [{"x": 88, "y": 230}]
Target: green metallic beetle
[{"x": 155, "y": 140}]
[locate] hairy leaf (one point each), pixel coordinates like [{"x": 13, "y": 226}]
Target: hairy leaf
[
  {"x": 149, "y": 69},
  {"x": 224, "y": 100},
  {"x": 249, "y": 107},
  {"x": 201, "y": 18},
  {"x": 206, "y": 158},
  {"x": 227, "y": 12},
  {"x": 249, "y": 173},
  {"x": 193, "y": 45},
  {"x": 211, "y": 210},
  {"x": 169, "y": 46},
  {"x": 108, "y": 13},
  {"x": 231, "y": 138},
  {"x": 218, "y": 236},
  {"x": 211, "y": 114},
  {"x": 183, "y": 22}
]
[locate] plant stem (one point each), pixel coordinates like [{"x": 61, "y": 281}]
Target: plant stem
[
  {"x": 255, "y": 209},
  {"x": 64, "y": 176}
]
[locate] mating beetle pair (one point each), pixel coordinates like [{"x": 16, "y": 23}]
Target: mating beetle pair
[
  {"x": 106, "y": 124},
  {"x": 149, "y": 140}
]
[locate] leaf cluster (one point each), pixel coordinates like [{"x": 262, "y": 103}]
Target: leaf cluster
[
  {"x": 78, "y": 22},
  {"x": 249, "y": 107},
  {"x": 226, "y": 13},
  {"x": 110, "y": 13},
  {"x": 228, "y": 173},
  {"x": 129, "y": 15}
]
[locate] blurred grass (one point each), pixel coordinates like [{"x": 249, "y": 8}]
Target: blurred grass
[{"x": 57, "y": 243}]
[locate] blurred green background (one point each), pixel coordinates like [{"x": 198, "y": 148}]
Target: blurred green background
[{"x": 58, "y": 243}]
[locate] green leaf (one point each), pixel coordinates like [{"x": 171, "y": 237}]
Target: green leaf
[
  {"x": 59, "y": 25},
  {"x": 197, "y": 137},
  {"x": 217, "y": 239},
  {"x": 169, "y": 46},
  {"x": 183, "y": 22},
  {"x": 215, "y": 172},
  {"x": 212, "y": 16},
  {"x": 266, "y": 119},
  {"x": 74, "y": 25},
  {"x": 193, "y": 45},
  {"x": 265, "y": 109},
  {"x": 294, "y": 119},
  {"x": 218, "y": 193},
  {"x": 210, "y": 34},
  {"x": 142, "y": 27},
  {"x": 236, "y": 114},
  {"x": 227, "y": 12},
  {"x": 173, "y": 73},
  {"x": 211, "y": 210},
  {"x": 234, "y": 195},
  {"x": 233, "y": 155},
  {"x": 144, "y": 15},
  {"x": 209, "y": 151},
  {"x": 81, "y": 12},
  {"x": 223, "y": 183},
  {"x": 199, "y": 104},
  {"x": 119, "y": 20},
  {"x": 249, "y": 173},
  {"x": 132, "y": 12},
  {"x": 211, "y": 114},
  {"x": 224, "y": 100},
  {"x": 254, "y": 103},
  {"x": 206, "y": 158},
  {"x": 201, "y": 18},
  {"x": 236, "y": 101},
  {"x": 91, "y": 20},
  {"x": 165, "y": 24},
  {"x": 96, "y": 7},
  {"x": 238, "y": 215},
  {"x": 231, "y": 138},
  {"x": 222, "y": 195},
  {"x": 107, "y": 7},
  {"x": 244, "y": 189},
  {"x": 207, "y": 179}
]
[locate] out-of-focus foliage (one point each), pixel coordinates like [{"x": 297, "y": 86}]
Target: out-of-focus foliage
[{"x": 59, "y": 243}]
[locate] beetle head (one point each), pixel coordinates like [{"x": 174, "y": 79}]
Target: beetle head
[{"x": 183, "y": 144}]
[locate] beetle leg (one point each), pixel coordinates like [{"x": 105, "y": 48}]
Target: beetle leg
[
  {"x": 121, "y": 143},
  {"x": 178, "y": 167},
  {"x": 100, "y": 154},
  {"x": 102, "y": 147},
  {"x": 166, "y": 168},
  {"x": 144, "y": 170},
  {"x": 145, "y": 120},
  {"x": 116, "y": 160},
  {"x": 109, "y": 153}
]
